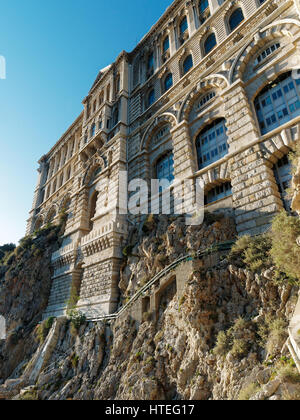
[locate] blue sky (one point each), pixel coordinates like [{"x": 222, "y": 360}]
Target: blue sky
[{"x": 53, "y": 52}]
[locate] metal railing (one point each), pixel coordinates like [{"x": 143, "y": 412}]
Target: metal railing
[{"x": 224, "y": 246}]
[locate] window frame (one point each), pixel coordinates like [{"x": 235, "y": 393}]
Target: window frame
[
  {"x": 184, "y": 71},
  {"x": 230, "y": 16},
  {"x": 205, "y": 51},
  {"x": 166, "y": 88},
  {"x": 276, "y": 97},
  {"x": 209, "y": 144}
]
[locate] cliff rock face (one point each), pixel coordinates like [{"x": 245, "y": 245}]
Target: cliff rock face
[
  {"x": 222, "y": 339},
  {"x": 296, "y": 189},
  {"x": 24, "y": 292}
]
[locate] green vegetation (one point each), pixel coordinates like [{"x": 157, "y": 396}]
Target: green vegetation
[
  {"x": 30, "y": 396},
  {"x": 237, "y": 339},
  {"x": 127, "y": 251},
  {"x": 294, "y": 156},
  {"x": 252, "y": 252},
  {"x": 147, "y": 316},
  {"x": 74, "y": 360},
  {"x": 139, "y": 356},
  {"x": 43, "y": 329},
  {"x": 12, "y": 257},
  {"x": 6, "y": 250},
  {"x": 77, "y": 319},
  {"x": 273, "y": 334},
  {"x": 285, "y": 251},
  {"x": 223, "y": 344},
  {"x": 248, "y": 392},
  {"x": 149, "y": 224},
  {"x": 73, "y": 299},
  {"x": 276, "y": 249}
]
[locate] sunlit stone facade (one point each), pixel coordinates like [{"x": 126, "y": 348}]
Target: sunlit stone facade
[{"x": 211, "y": 92}]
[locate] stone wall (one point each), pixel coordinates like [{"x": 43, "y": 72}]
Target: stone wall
[{"x": 101, "y": 142}]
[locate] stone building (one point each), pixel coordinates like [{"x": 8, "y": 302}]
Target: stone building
[{"x": 211, "y": 92}]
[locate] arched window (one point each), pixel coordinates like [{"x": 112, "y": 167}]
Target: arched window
[
  {"x": 94, "y": 175},
  {"x": 116, "y": 116},
  {"x": 183, "y": 26},
  {"x": 211, "y": 143},
  {"x": 54, "y": 187},
  {"x": 283, "y": 175},
  {"x": 93, "y": 130},
  {"x": 278, "y": 103},
  {"x": 150, "y": 65},
  {"x": 61, "y": 181},
  {"x": 187, "y": 64},
  {"x": 151, "y": 98},
  {"x": 168, "y": 82},
  {"x": 235, "y": 19},
  {"x": 218, "y": 193},
  {"x": 101, "y": 98},
  {"x": 38, "y": 224},
  {"x": 117, "y": 84},
  {"x": 204, "y": 100},
  {"x": 93, "y": 209},
  {"x": 51, "y": 216},
  {"x": 108, "y": 93},
  {"x": 203, "y": 5},
  {"x": 150, "y": 61},
  {"x": 65, "y": 206},
  {"x": 165, "y": 167},
  {"x": 68, "y": 173},
  {"x": 210, "y": 43},
  {"x": 166, "y": 44},
  {"x": 48, "y": 193}
]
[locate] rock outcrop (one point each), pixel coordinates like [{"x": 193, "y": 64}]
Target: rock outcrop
[
  {"x": 223, "y": 339},
  {"x": 24, "y": 291}
]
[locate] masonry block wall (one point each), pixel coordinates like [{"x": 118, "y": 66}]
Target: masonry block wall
[{"x": 209, "y": 93}]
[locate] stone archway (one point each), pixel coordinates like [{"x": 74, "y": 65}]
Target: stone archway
[
  {"x": 276, "y": 30},
  {"x": 166, "y": 118},
  {"x": 211, "y": 82}
]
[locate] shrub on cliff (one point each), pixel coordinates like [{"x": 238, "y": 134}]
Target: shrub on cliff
[
  {"x": 285, "y": 252},
  {"x": 5, "y": 250},
  {"x": 252, "y": 252},
  {"x": 43, "y": 329},
  {"x": 277, "y": 248}
]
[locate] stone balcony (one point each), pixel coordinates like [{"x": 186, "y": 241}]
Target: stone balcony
[
  {"x": 101, "y": 238},
  {"x": 95, "y": 143}
]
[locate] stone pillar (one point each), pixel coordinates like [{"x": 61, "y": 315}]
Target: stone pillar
[
  {"x": 213, "y": 5},
  {"x": 171, "y": 33},
  {"x": 255, "y": 193},
  {"x": 183, "y": 151},
  {"x": 256, "y": 197},
  {"x": 242, "y": 128},
  {"x": 297, "y": 3},
  {"x": 191, "y": 18}
]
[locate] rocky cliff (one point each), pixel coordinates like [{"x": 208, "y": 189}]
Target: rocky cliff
[
  {"x": 24, "y": 292},
  {"x": 222, "y": 339}
]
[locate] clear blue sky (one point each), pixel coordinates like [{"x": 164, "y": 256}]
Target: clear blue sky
[{"x": 54, "y": 50}]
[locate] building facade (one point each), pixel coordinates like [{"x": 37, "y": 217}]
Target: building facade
[{"x": 211, "y": 92}]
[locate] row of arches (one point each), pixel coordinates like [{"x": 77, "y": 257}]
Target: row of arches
[
  {"x": 232, "y": 19},
  {"x": 51, "y": 215},
  {"x": 58, "y": 182},
  {"x": 275, "y": 104},
  {"x": 263, "y": 46},
  {"x": 282, "y": 170}
]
